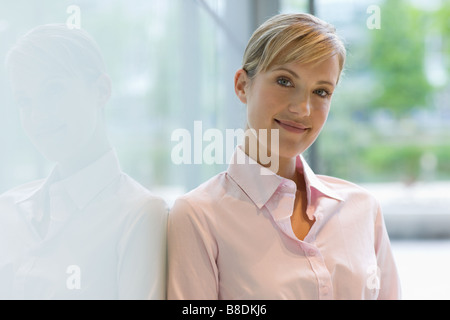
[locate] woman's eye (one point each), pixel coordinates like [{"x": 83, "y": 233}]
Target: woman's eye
[
  {"x": 284, "y": 82},
  {"x": 322, "y": 93},
  {"x": 54, "y": 89},
  {"x": 23, "y": 103}
]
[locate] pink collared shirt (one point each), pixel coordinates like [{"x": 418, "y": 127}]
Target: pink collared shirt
[{"x": 231, "y": 238}]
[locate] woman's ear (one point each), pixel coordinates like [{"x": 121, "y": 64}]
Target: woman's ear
[
  {"x": 240, "y": 85},
  {"x": 103, "y": 89}
]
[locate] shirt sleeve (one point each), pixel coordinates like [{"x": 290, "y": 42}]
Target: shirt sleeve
[
  {"x": 390, "y": 288},
  {"x": 142, "y": 253},
  {"x": 192, "y": 254}
]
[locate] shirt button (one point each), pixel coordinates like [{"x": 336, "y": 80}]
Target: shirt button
[
  {"x": 325, "y": 290},
  {"x": 311, "y": 253}
]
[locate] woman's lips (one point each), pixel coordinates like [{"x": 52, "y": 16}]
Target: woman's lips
[
  {"x": 292, "y": 126},
  {"x": 49, "y": 131}
]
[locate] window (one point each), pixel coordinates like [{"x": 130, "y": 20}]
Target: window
[{"x": 172, "y": 63}]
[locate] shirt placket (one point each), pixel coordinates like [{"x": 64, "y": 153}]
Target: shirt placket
[
  {"x": 315, "y": 258},
  {"x": 316, "y": 261},
  {"x": 21, "y": 275},
  {"x": 59, "y": 211},
  {"x": 311, "y": 251}
]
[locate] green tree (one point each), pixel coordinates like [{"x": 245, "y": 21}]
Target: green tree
[
  {"x": 442, "y": 23},
  {"x": 397, "y": 57}
]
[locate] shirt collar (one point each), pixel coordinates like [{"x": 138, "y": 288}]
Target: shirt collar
[
  {"x": 247, "y": 173},
  {"x": 313, "y": 181},
  {"x": 83, "y": 185},
  {"x": 260, "y": 188}
]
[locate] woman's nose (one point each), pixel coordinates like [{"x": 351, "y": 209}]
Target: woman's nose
[{"x": 300, "y": 105}]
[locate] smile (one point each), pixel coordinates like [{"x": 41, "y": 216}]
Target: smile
[
  {"x": 292, "y": 126},
  {"x": 50, "y": 131}
]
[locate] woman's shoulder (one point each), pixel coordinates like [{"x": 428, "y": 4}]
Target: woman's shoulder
[
  {"x": 204, "y": 198},
  {"x": 207, "y": 191},
  {"x": 345, "y": 188}
]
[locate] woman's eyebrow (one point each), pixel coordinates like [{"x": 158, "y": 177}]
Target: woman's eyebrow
[
  {"x": 326, "y": 82},
  {"x": 295, "y": 75}
]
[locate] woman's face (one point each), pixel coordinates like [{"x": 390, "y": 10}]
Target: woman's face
[
  {"x": 59, "y": 114},
  {"x": 293, "y": 98}
]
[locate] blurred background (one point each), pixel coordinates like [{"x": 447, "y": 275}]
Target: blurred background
[{"x": 172, "y": 62}]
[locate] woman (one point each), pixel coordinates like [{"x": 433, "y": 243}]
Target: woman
[
  {"x": 87, "y": 231},
  {"x": 255, "y": 233}
]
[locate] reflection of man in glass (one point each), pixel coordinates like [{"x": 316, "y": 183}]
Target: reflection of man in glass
[{"x": 87, "y": 231}]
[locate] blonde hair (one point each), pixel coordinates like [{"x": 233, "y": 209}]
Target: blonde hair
[
  {"x": 72, "y": 51},
  {"x": 287, "y": 38}
]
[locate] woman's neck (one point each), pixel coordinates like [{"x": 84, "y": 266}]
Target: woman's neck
[
  {"x": 287, "y": 167},
  {"x": 92, "y": 151}
]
